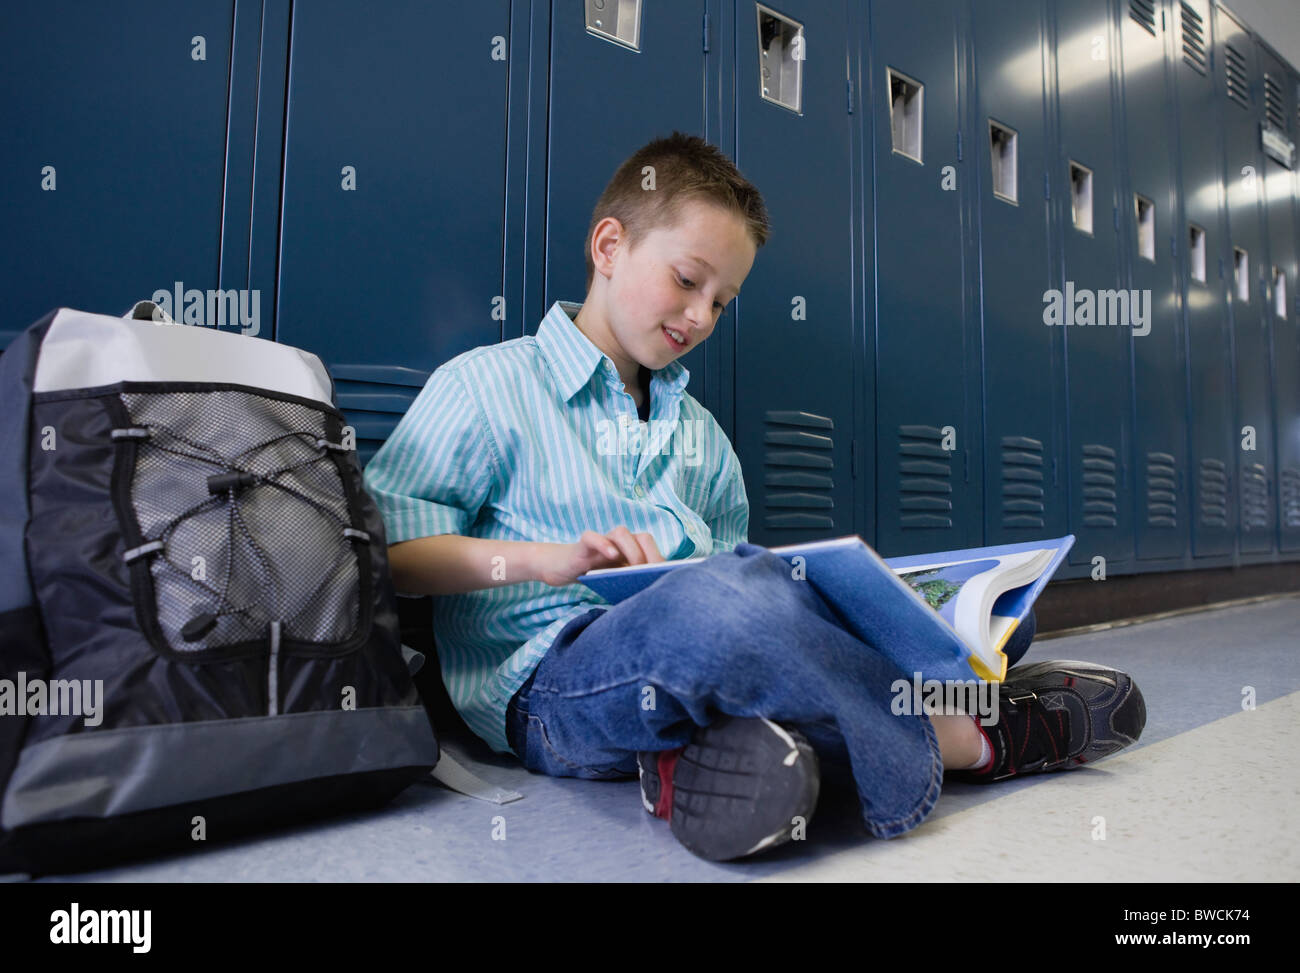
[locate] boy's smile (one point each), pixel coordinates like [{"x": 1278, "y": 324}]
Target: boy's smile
[{"x": 676, "y": 279}]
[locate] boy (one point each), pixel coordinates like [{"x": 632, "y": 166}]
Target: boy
[{"x": 512, "y": 474}]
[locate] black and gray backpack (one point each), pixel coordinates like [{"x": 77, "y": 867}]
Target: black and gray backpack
[{"x": 198, "y": 633}]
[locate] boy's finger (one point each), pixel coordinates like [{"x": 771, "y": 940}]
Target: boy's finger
[
  {"x": 649, "y": 548},
  {"x": 599, "y": 544},
  {"x": 627, "y": 545}
]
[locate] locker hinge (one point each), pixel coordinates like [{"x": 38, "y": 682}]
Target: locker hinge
[
  {"x": 1173, "y": 246},
  {"x": 1054, "y": 479},
  {"x": 706, "y": 33},
  {"x": 1047, "y": 186},
  {"x": 1163, "y": 25},
  {"x": 965, "y": 462},
  {"x": 853, "y": 458},
  {"x": 958, "y": 145},
  {"x": 1220, "y": 268},
  {"x": 1114, "y": 212},
  {"x": 849, "y": 84}
]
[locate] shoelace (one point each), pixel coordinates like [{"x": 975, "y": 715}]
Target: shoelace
[
  {"x": 225, "y": 487},
  {"x": 1027, "y": 749}
]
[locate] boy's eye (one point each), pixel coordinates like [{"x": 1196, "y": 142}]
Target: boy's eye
[{"x": 688, "y": 283}]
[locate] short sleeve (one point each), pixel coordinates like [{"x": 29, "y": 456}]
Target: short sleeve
[
  {"x": 436, "y": 470},
  {"x": 727, "y": 511}
]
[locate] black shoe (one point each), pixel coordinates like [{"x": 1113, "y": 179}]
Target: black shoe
[
  {"x": 1059, "y": 715},
  {"x": 740, "y": 786}
]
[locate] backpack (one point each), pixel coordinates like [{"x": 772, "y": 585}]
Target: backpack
[{"x": 198, "y": 632}]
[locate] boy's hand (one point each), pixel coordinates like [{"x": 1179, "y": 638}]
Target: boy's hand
[{"x": 561, "y": 564}]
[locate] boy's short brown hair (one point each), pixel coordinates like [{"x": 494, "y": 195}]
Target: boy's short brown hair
[{"x": 686, "y": 167}]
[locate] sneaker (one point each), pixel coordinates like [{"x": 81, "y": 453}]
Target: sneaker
[
  {"x": 1058, "y": 716},
  {"x": 740, "y": 786}
]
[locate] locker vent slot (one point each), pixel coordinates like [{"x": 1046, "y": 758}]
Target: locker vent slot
[
  {"x": 1146, "y": 227},
  {"x": 373, "y": 399},
  {"x": 1003, "y": 143},
  {"x": 798, "y": 460},
  {"x": 616, "y": 21},
  {"x": 1290, "y": 498},
  {"x": 1234, "y": 69},
  {"x": 1196, "y": 251},
  {"x": 1081, "y": 197},
  {"x": 906, "y": 98},
  {"x": 925, "y": 478},
  {"x": 1144, "y": 12},
  {"x": 780, "y": 59},
  {"x": 1100, "y": 497},
  {"x": 1193, "y": 38},
  {"x": 1254, "y": 496},
  {"x": 1213, "y": 498},
  {"x": 1162, "y": 490},
  {"x": 1274, "y": 113},
  {"x": 1022, "y": 482},
  {"x": 1241, "y": 273},
  {"x": 1279, "y": 292}
]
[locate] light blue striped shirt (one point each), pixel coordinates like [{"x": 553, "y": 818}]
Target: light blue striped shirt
[{"x": 535, "y": 439}]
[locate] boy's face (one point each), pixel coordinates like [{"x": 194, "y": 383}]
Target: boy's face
[{"x": 677, "y": 278}]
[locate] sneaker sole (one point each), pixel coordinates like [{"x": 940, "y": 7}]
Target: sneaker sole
[{"x": 742, "y": 786}]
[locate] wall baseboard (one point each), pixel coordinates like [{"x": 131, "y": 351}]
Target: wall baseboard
[{"x": 1070, "y": 607}]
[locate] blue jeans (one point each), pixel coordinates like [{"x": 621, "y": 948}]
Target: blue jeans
[{"x": 734, "y": 634}]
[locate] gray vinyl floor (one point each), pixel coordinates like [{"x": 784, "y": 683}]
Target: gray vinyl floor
[{"x": 1208, "y": 794}]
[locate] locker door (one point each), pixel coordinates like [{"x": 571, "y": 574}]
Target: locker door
[
  {"x": 112, "y": 153},
  {"x": 1147, "y": 206},
  {"x": 1098, "y": 364},
  {"x": 1289, "y": 429},
  {"x": 1025, "y": 496},
  {"x": 1241, "y": 91},
  {"x": 394, "y": 180},
  {"x": 794, "y": 362},
  {"x": 600, "y": 114},
  {"x": 929, "y": 494},
  {"x": 1279, "y": 113},
  {"x": 1202, "y": 250}
]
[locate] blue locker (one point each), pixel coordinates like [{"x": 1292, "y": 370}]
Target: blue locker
[
  {"x": 112, "y": 171},
  {"x": 394, "y": 173},
  {"x": 795, "y": 373},
  {"x": 1289, "y": 488},
  {"x": 1160, "y": 462},
  {"x": 928, "y": 439},
  {"x": 1098, "y": 358},
  {"x": 1203, "y": 248},
  {"x": 1278, "y": 127},
  {"x": 1241, "y": 90},
  {"x": 1023, "y": 385}
]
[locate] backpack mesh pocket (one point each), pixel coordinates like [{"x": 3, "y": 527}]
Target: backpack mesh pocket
[{"x": 244, "y": 518}]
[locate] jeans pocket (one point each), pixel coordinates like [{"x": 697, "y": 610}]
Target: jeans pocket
[{"x": 543, "y": 757}]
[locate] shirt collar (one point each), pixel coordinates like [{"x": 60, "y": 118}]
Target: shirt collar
[{"x": 573, "y": 357}]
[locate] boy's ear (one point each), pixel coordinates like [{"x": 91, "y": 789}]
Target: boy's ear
[{"x": 607, "y": 237}]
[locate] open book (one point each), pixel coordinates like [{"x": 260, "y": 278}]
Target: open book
[{"x": 945, "y": 615}]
